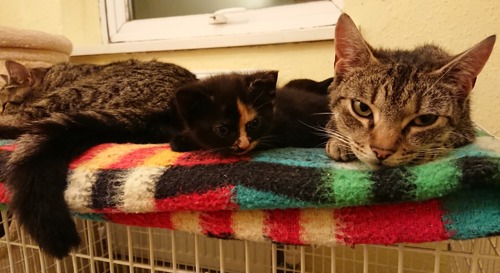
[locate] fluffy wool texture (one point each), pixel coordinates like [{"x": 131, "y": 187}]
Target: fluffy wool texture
[{"x": 290, "y": 195}]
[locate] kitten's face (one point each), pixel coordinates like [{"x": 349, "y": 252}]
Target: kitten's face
[
  {"x": 229, "y": 113},
  {"x": 16, "y": 85},
  {"x": 397, "y": 107}
]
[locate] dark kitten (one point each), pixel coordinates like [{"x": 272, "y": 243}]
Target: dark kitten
[
  {"x": 226, "y": 113},
  {"x": 395, "y": 107},
  {"x": 241, "y": 113},
  {"x": 301, "y": 114}
]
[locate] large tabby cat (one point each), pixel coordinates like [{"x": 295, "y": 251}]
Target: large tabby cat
[
  {"x": 61, "y": 111},
  {"x": 395, "y": 107}
]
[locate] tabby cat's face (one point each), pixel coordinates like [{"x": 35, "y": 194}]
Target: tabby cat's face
[
  {"x": 229, "y": 113},
  {"x": 395, "y": 107},
  {"x": 15, "y": 85}
]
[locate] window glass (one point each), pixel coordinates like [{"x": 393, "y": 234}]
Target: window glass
[{"x": 145, "y": 9}]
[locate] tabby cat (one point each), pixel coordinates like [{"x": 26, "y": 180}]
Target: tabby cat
[
  {"x": 61, "y": 111},
  {"x": 395, "y": 107}
]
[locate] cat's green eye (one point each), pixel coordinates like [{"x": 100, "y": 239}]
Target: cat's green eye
[
  {"x": 424, "y": 120},
  {"x": 361, "y": 109},
  {"x": 221, "y": 130}
]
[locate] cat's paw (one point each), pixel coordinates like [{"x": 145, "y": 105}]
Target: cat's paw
[
  {"x": 338, "y": 151},
  {"x": 183, "y": 143}
]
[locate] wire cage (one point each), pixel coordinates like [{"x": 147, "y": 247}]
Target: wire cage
[{"x": 114, "y": 248}]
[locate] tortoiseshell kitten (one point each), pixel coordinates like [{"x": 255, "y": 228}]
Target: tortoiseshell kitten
[
  {"x": 292, "y": 116},
  {"x": 227, "y": 113},
  {"x": 396, "y": 107}
]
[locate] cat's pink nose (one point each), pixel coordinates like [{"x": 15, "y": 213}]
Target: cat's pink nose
[{"x": 382, "y": 154}]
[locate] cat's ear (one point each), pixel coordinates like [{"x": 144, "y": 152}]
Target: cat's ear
[
  {"x": 264, "y": 82},
  {"x": 351, "y": 50},
  {"x": 192, "y": 102},
  {"x": 465, "y": 67},
  {"x": 263, "y": 87},
  {"x": 18, "y": 73}
]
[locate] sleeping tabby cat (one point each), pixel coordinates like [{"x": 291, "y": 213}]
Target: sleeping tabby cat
[
  {"x": 395, "y": 107},
  {"x": 60, "y": 112}
]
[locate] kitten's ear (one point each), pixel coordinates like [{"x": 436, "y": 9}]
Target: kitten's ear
[
  {"x": 192, "y": 102},
  {"x": 18, "y": 73},
  {"x": 262, "y": 88},
  {"x": 351, "y": 50},
  {"x": 465, "y": 67},
  {"x": 264, "y": 82}
]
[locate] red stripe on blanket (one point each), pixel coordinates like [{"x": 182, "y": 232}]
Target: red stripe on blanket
[
  {"x": 218, "y": 199},
  {"x": 283, "y": 226},
  {"x": 4, "y": 194},
  {"x": 388, "y": 224},
  {"x": 157, "y": 219},
  {"x": 217, "y": 224},
  {"x": 89, "y": 154},
  {"x": 204, "y": 158},
  {"x": 136, "y": 157},
  {"x": 8, "y": 147}
]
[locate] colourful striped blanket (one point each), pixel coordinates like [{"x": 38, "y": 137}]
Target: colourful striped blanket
[{"x": 290, "y": 195}]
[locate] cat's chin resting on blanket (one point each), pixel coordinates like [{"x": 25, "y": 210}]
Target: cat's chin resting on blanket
[{"x": 399, "y": 107}]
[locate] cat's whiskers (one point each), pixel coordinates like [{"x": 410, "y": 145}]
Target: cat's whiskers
[
  {"x": 318, "y": 130},
  {"x": 338, "y": 136},
  {"x": 264, "y": 104},
  {"x": 458, "y": 137},
  {"x": 423, "y": 154},
  {"x": 322, "y": 113},
  {"x": 211, "y": 151},
  {"x": 268, "y": 141},
  {"x": 256, "y": 98}
]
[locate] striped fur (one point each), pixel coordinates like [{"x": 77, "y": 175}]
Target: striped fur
[{"x": 397, "y": 107}]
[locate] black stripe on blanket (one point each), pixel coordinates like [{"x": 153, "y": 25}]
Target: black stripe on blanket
[
  {"x": 478, "y": 170},
  {"x": 392, "y": 185},
  {"x": 108, "y": 188},
  {"x": 300, "y": 183}
]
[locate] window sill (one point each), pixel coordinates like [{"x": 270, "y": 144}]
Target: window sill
[{"x": 287, "y": 24}]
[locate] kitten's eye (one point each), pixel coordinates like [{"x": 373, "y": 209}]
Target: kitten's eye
[
  {"x": 254, "y": 123},
  {"x": 424, "y": 120},
  {"x": 361, "y": 109},
  {"x": 221, "y": 130}
]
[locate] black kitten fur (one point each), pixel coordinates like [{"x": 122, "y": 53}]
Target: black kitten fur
[
  {"x": 300, "y": 114},
  {"x": 226, "y": 113}
]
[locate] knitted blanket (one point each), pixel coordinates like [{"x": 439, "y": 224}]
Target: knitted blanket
[{"x": 289, "y": 195}]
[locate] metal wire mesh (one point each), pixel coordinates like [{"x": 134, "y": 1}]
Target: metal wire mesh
[{"x": 117, "y": 248}]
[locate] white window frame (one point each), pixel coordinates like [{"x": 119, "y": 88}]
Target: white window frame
[{"x": 283, "y": 24}]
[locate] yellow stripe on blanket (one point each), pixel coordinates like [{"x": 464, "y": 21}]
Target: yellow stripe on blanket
[
  {"x": 110, "y": 155},
  {"x": 162, "y": 158},
  {"x": 316, "y": 225}
]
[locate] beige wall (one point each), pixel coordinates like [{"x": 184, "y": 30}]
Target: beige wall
[{"x": 455, "y": 25}]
